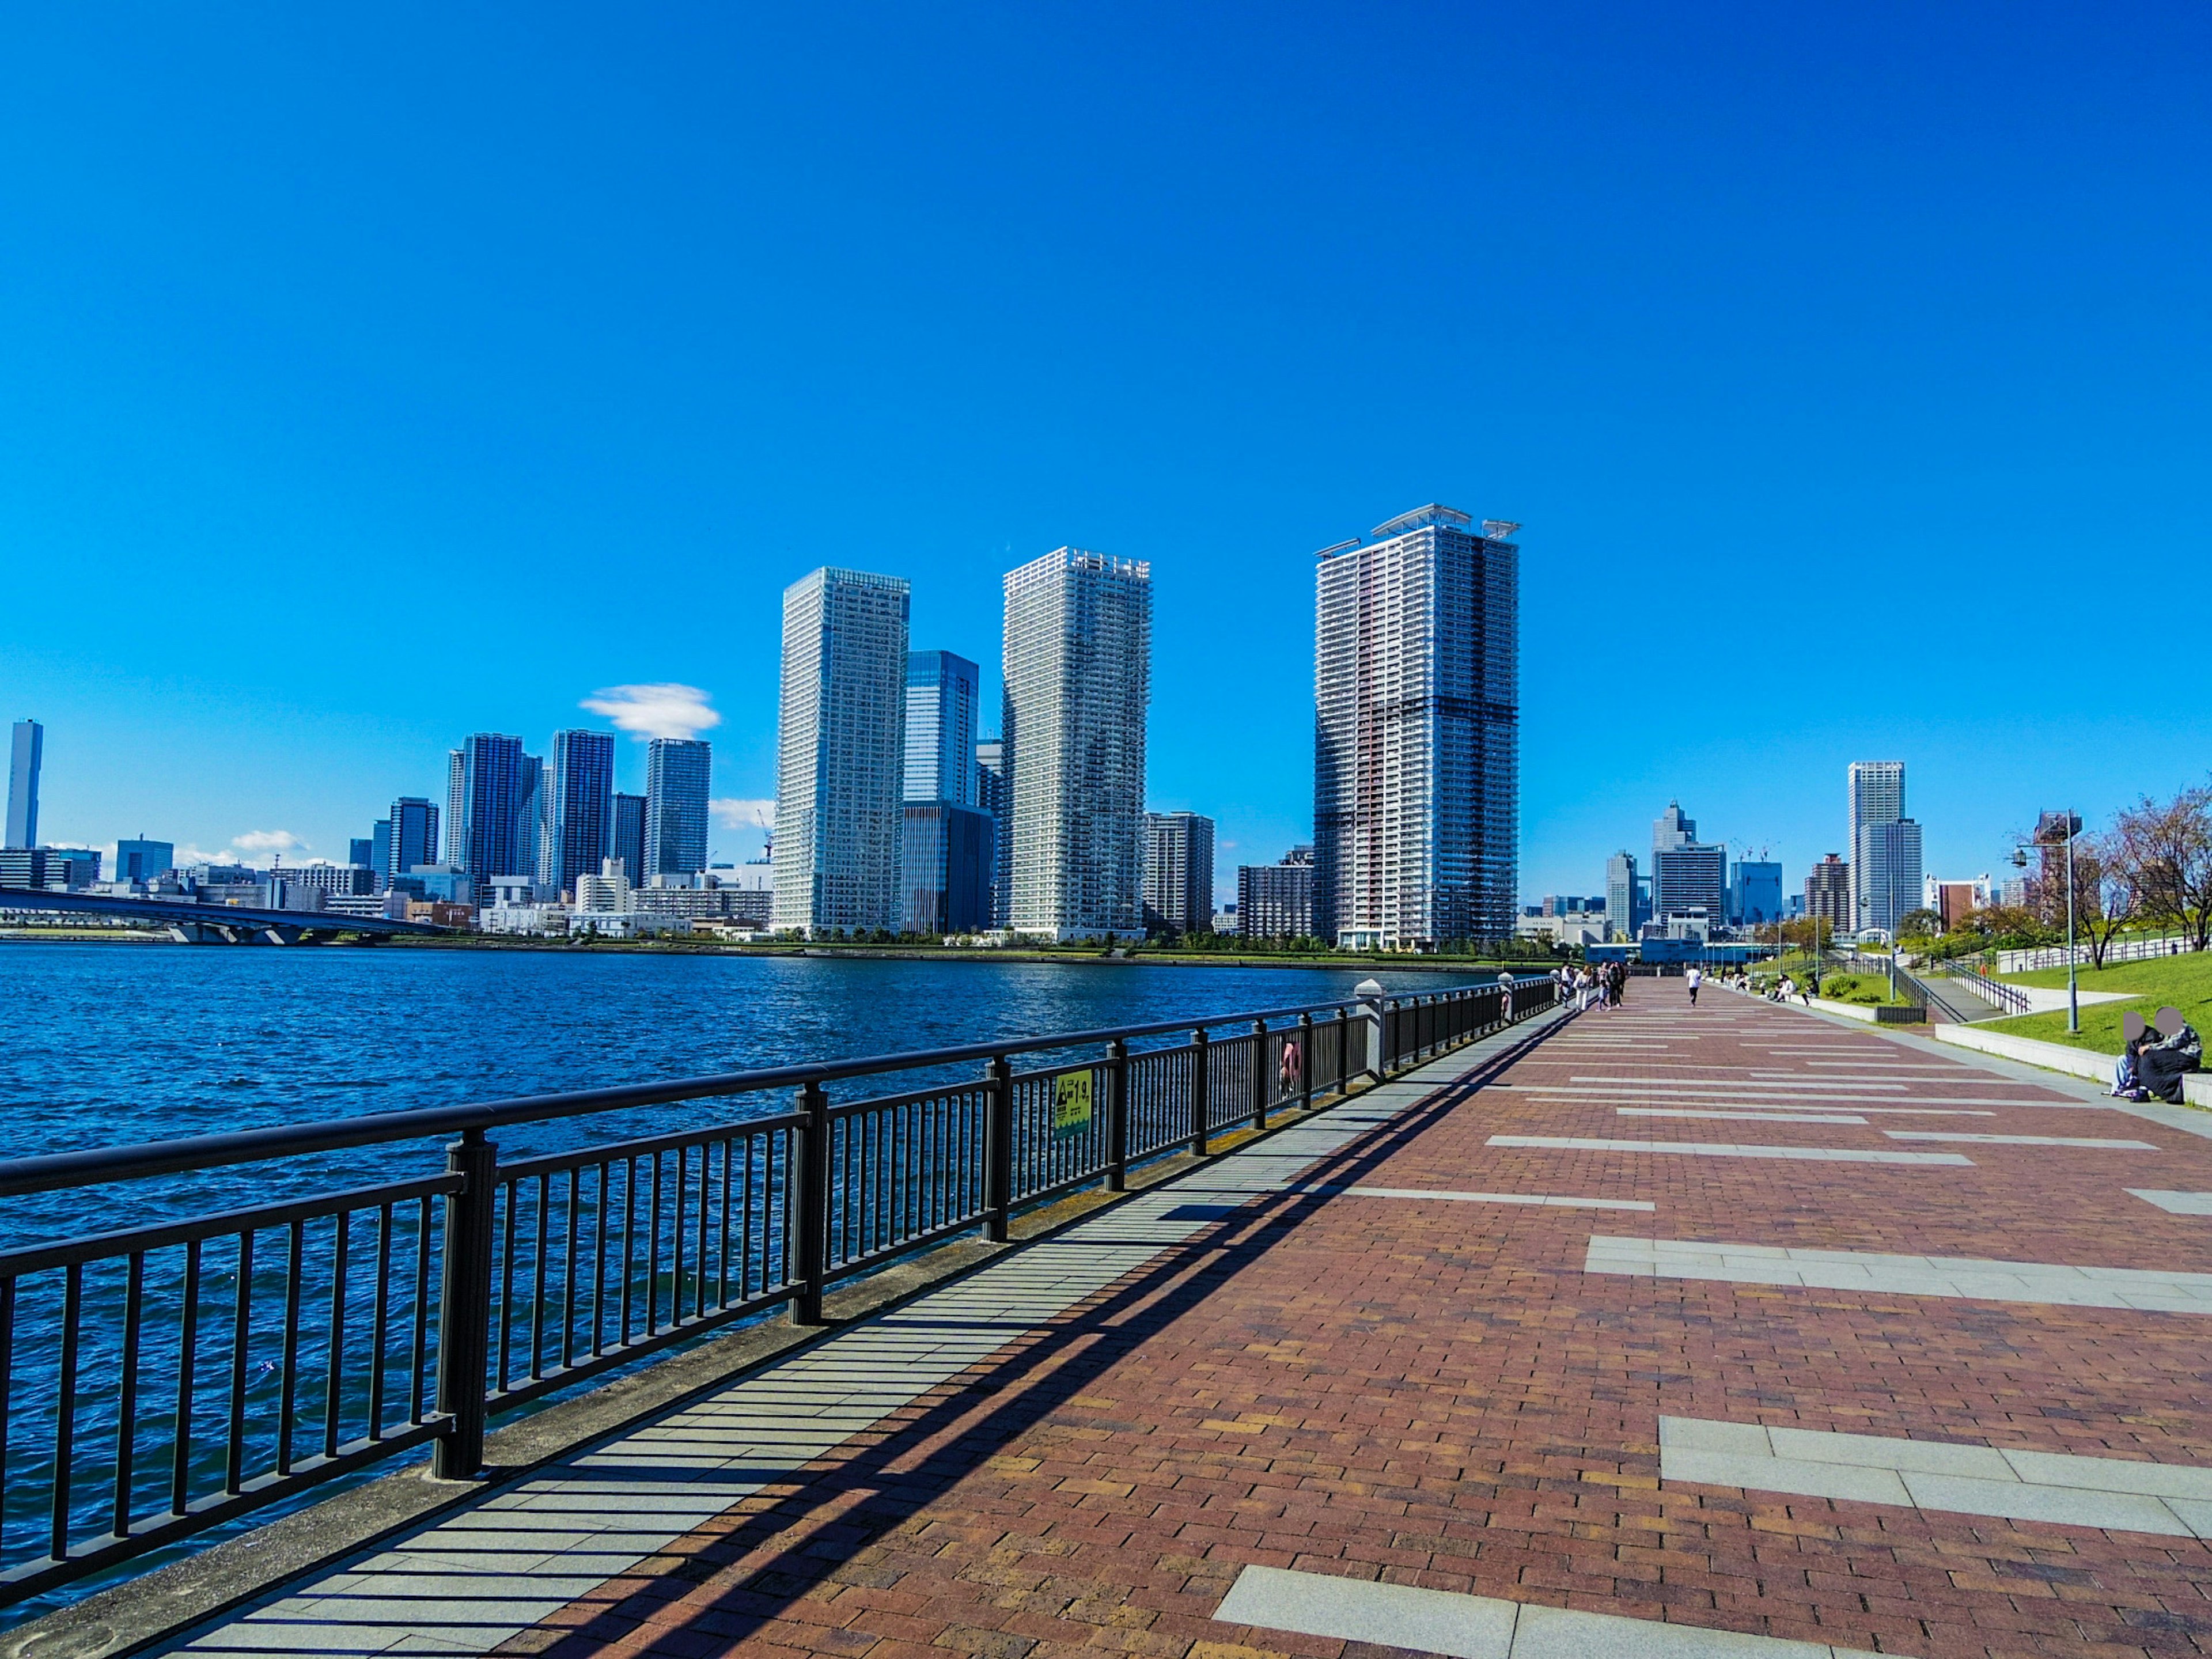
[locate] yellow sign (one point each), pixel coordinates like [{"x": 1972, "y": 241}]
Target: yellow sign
[{"x": 1070, "y": 1104}]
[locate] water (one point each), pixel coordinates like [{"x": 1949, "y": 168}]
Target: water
[{"x": 111, "y": 1045}]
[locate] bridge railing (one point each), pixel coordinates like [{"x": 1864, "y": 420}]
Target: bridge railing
[{"x": 158, "y": 1381}]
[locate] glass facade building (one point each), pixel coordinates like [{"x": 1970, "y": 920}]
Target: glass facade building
[
  {"x": 581, "y": 797},
  {"x": 627, "y": 840},
  {"x": 941, "y": 689},
  {"x": 994, "y": 798},
  {"x": 841, "y": 753},
  {"x": 945, "y": 862},
  {"x": 1416, "y": 732},
  {"x": 26, "y": 753},
  {"x": 679, "y": 774},
  {"x": 1178, "y": 872}
]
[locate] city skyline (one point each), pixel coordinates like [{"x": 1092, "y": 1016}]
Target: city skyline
[{"x": 1688, "y": 331}]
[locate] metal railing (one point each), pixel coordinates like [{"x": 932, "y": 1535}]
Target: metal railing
[
  {"x": 158, "y": 1381},
  {"x": 2010, "y": 998},
  {"x": 2128, "y": 947}
]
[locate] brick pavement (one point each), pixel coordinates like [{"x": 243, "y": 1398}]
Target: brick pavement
[{"x": 1437, "y": 1393}]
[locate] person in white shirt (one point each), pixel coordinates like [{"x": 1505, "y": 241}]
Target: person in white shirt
[{"x": 1693, "y": 979}]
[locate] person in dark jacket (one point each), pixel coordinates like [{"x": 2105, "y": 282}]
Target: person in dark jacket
[{"x": 2162, "y": 1065}]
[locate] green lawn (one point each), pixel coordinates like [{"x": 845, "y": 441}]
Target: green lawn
[{"x": 2186, "y": 981}]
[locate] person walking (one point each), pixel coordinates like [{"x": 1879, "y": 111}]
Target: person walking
[{"x": 1693, "y": 979}]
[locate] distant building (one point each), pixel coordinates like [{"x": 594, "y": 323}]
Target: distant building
[
  {"x": 1754, "y": 898},
  {"x": 607, "y": 890},
  {"x": 581, "y": 799},
  {"x": 497, "y": 789},
  {"x": 627, "y": 842},
  {"x": 678, "y": 774},
  {"x": 993, "y": 795},
  {"x": 1416, "y": 732},
  {"x": 1687, "y": 874},
  {"x": 1828, "y": 893},
  {"x": 945, "y": 863},
  {"x": 412, "y": 836},
  {"x": 1276, "y": 901},
  {"x": 1875, "y": 795},
  {"x": 1228, "y": 923},
  {"x": 361, "y": 850},
  {"x": 1078, "y": 679},
  {"x": 841, "y": 752},
  {"x": 1624, "y": 908},
  {"x": 349, "y": 879},
  {"x": 2021, "y": 893},
  {"x": 26, "y": 754},
  {"x": 1953, "y": 901},
  {"x": 1886, "y": 875},
  {"x": 1572, "y": 928},
  {"x": 379, "y": 852},
  {"x": 1178, "y": 872},
  {"x": 143, "y": 860},
  {"x": 941, "y": 692}
]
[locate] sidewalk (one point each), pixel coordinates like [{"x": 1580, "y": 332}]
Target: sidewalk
[{"x": 1729, "y": 1331}]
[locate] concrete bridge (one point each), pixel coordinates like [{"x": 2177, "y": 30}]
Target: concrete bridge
[{"x": 193, "y": 923}]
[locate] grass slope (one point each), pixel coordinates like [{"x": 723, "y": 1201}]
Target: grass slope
[{"x": 2186, "y": 981}]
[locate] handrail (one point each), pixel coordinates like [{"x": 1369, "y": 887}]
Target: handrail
[{"x": 2010, "y": 998}]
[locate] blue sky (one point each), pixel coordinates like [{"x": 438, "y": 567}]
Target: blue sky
[{"x": 377, "y": 377}]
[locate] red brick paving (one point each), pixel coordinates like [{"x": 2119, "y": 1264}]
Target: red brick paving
[{"x": 1436, "y": 1394}]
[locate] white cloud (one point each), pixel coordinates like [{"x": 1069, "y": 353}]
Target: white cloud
[
  {"x": 744, "y": 814},
  {"x": 654, "y": 711},
  {"x": 268, "y": 841}
]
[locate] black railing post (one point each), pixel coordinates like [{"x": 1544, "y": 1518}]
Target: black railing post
[
  {"x": 1117, "y": 1116},
  {"x": 1343, "y": 1051},
  {"x": 812, "y": 1144},
  {"x": 1305, "y": 1063},
  {"x": 998, "y": 1152},
  {"x": 1388, "y": 1041},
  {"x": 1261, "y": 1085},
  {"x": 464, "y": 1308},
  {"x": 1199, "y": 1053}
]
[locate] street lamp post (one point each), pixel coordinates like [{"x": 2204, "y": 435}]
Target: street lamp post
[{"x": 2047, "y": 831}]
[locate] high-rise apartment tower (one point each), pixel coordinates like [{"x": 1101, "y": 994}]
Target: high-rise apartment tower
[
  {"x": 1885, "y": 851},
  {"x": 25, "y": 755},
  {"x": 841, "y": 753},
  {"x": 1178, "y": 872},
  {"x": 580, "y": 793},
  {"x": 1079, "y": 654},
  {"x": 1416, "y": 732}
]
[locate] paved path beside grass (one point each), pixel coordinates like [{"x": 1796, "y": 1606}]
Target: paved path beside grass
[{"x": 1676, "y": 1339}]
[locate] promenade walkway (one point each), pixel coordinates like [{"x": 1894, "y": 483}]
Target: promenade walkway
[{"x": 1729, "y": 1331}]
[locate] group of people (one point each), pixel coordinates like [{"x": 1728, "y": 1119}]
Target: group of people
[
  {"x": 2155, "y": 1058},
  {"x": 1585, "y": 985}
]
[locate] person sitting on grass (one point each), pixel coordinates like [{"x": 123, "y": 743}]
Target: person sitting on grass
[{"x": 2163, "y": 1064}]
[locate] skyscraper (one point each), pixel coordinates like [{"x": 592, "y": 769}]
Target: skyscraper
[
  {"x": 1828, "y": 893},
  {"x": 1078, "y": 679},
  {"x": 1416, "y": 732},
  {"x": 1755, "y": 893},
  {"x": 1178, "y": 872},
  {"x": 1686, "y": 873},
  {"x": 1275, "y": 901},
  {"x": 993, "y": 795},
  {"x": 25, "y": 755},
  {"x": 498, "y": 794},
  {"x": 1886, "y": 853},
  {"x": 360, "y": 849},
  {"x": 582, "y": 801},
  {"x": 413, "y": 836},
  {"x": 678, "y": 774},
  {"x": 1623, "y": 907},
  {"x": 841, "y": 752},
  {"x": 940, "y": 727},
  {"x": 380, "y": 853},
  {"x": 945, "y": 867},
  {"x": 627, "y": 840}
]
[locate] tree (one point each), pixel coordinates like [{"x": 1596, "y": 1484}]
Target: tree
[
  {"x": 1919, "y": 924},
  {"x": 2104, "y": 898},
  {"x": 2169, "y": 846}
]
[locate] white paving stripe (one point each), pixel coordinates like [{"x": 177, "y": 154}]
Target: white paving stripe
[
  {"x": 1769, "y": 1116},
  {"x": 1729, "y": 1092},
  {"x": 1479, "y": 1626},
  {"x": 2019, "y": 1140},
  {"x": 2056, "y": 1283},
  {"x": 467, "y": 1584},
  {"x": 1545, "y": 1199},
  {"x": 2174, "y": 1499},
  {"x": 1815, "y": 1086},
  {"x": 1728, "y": 1148},
  {"x": 2175, "y": 1203}
]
